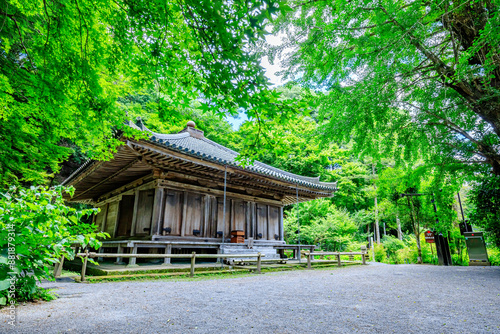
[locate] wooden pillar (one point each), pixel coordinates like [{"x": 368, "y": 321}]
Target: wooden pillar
[
  {"x": 231, "y": 219},
  {"x": 259, "y": 258},
  {"x": 247, "y": 221},
  {"x": 158, "y": 205},
  {"x": 268, "y": 210},
  {"x": 184, "y": 214},
  {"x": 104, "y": 217},
  {"x": 120, "y": 250},
  {"x": 132, "y": 262},
  {"x": 134, "y": 215},
  {"x": 168, "y": 250},
  {"x": 282, "y": 228},
  {"x": 254, "y": 220},
  {"x": 193, "y": 260},
  {"x": 84, "y": 266},
  {"x": 100, "y": 251},
  {"x": 58, "y": 267},
  {"x": 219, "y": 251},
  {"x": 339, "y": 263},
  {"x": 206, "y": 217},
  {"x": 117, "y": 219}
]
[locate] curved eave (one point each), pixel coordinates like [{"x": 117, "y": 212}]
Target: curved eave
[{"x": 321, "y": 186}]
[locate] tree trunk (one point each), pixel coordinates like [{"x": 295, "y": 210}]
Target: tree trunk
[
  {"x": 377, "y": 229},
  {"x": 416, "y": 231},
  {"x": 368, "y": 231},
  {"x": 419, "y": 249},
  {"x": 400, "y": 233}
]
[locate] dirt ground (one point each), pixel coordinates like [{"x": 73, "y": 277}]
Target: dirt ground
[{"x": 357, "y": 299}]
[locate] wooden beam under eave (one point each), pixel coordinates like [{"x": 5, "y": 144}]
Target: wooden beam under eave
[
  {"x": 216, "y": 192},
  {"x": 112, "y": 176}
]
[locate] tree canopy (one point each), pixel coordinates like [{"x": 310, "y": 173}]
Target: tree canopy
[
  {"x": 63, "y": 65},
  {"x": 408, "y": 77}
]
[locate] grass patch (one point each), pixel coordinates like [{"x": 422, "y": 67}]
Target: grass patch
[
  {"x": 69, "y": 273},
  {"x": 206, "y": 275}
]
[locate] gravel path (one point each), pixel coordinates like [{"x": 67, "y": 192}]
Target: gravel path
[{"x": 360, "y": 299}]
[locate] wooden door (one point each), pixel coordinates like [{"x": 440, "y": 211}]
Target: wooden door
[
  {"x": 194, "y": 211},
  {"x": 173, "y": 212},
  {"x": 274, "y": 223},
  {"x": 220, "y": 217},
  {"x": 144, "y": 212},
  {"x": 239, "y": 217},
  {"x": 125, "y": 216},
  {"x": 261, "y": 222}
]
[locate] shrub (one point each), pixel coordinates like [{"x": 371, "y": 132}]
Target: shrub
[
  {"x": 36, "y": 229},
  {"x": 493, "y": 255},
  {"x": 406, "y": 255},
  {"x": 380, "y": 253},
  {"x": 392, "y": 245},
  {"x": 485, "y": 199},
  {"x": 460, "y": 261}
]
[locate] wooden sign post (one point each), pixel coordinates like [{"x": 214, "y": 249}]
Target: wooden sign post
[{"x": 429, "y": 237}]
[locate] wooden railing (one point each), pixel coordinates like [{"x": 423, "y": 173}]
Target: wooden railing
[
  {"x": 193, "y": 256},
  {"x": 310, "y": 256}
]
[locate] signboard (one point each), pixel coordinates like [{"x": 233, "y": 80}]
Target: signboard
[
  {"x": 476, "y": 249},
  {"x": 429, "y": 237}
]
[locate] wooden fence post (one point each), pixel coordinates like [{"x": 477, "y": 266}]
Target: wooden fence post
[
  {"x": 259, "y": 258},
  {"x": 363, "y": 258},
  {"x": 338, "y": 260},
  {"x": 309, "y": 255},
  {"x": 84, "y": 266},
  {"x": 58, "y": 267},
  {"x": 193, "y": 260}
]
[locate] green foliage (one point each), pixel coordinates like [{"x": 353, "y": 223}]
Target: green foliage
[
  {"x": 485, "y": 197},
  {"x": 63, "y": 65},
  {"x": 391, "y": 246},
  {"x": 380, "y": 253},
  {"x": 36, "y": 229},
  {"x": 321, "y": 223},
  {"x": 407, "y": 79},
  {"x": 494, "y": 256},
  {"x": 146, "y": 106}
]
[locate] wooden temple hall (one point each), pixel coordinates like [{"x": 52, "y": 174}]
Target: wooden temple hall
[{"x": 166, "y": 194}]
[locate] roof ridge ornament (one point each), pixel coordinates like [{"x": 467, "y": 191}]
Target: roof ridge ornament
[{"x": 193, "y": 132}]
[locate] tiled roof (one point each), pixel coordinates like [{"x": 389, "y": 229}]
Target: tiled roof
[{"x": 192, "y": 142}]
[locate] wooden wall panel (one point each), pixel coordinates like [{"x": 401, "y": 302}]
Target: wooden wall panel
[
  {"x": 261, "y": 221},
  {"x": 144, "y": 212},
  {"x": 194, "y": 213},
  {"x": 111, "y": 218},
  {"x": 239, "y": 217},
  {"x": 100, "y": 219},
  {"x": 212, "y": 218},
  {"x": 125, "y": 216},
  {"x": 253, "y": 220},
  {"x": 248, "y": 221},
  {"x": 274, "y": 222},
  {"x": 158, "y": 207},
  {"x": 220, "y": 216},
  {"x": 206, "y": 216},
  {"x": 173, "y": 211}
]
